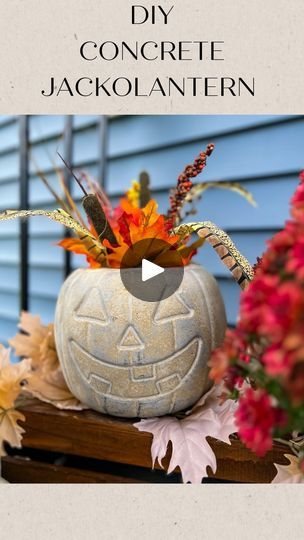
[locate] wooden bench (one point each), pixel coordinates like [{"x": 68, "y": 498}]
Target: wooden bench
[{"x": 87, "y": 447}]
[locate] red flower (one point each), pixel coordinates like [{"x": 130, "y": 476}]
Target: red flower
[
  {"x": 255, "y": 418},
  {"x": 295, "y": 264},
  {"x": 270, "y": 308},
  {"x": 254, "y": 301},
  {"x": 297, "y": 201},
  {"x": 231, "y": 351},
  {"x": 277, "y": 360},
  {"x": 295, "y": 384}
]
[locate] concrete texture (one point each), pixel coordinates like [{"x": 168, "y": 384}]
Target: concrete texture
[{"x": 126, "y": 357}]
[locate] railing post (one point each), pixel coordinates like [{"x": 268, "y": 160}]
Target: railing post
[
  {"x": 24, "y": 205},
  {"x": 103, "y": 130},
  {"x": 68, "y": 156}
]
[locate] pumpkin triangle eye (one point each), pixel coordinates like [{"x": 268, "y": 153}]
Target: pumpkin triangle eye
[
  {"x": 91, "y": 308},
  {"x": 173, "y": 310},
  {"x": 131, "y": 340}
]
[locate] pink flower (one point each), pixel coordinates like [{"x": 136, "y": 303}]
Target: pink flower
[
  {"x": 295, "y": 264},
  {"x": 284, "y": 309},
  {"x": 270, "y": 308},
  {"x": 277, "y": 360},
  {"x": 255, "y": 418},
  {"x": 254, "y": 300}
]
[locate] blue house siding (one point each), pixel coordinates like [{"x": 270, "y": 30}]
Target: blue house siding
[
  {"x": 9, "y": 231},
  {"x": 263, "y": 153}
]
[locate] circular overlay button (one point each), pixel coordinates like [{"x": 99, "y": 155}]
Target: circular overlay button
[{"x": 151, "y": 270}]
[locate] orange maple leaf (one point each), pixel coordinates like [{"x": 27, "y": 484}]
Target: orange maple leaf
[
  {"x": 131, "y": 224},
  {"x": 137, "y": 224},
  {"x": 75, "y": 245}
]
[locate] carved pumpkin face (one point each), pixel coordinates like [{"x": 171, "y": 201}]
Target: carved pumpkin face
[{"x": 127, "y": 357}]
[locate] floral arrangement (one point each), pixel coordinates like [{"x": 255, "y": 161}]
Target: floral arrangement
[
  {"x": 110, "y": 232},
  {"x": 262, "y": 361},
  {"x": 259, "y": 370}
]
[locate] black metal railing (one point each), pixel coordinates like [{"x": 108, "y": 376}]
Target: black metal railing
[{"x": 24, "y": 196}]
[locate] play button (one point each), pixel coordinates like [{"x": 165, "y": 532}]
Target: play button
[{"x": 152, "y": 270}]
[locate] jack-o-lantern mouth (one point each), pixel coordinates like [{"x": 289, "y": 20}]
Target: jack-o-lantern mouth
[{"x": 140, "y": 380}]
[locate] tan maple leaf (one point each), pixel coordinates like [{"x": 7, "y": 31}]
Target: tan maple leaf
[
  {"x": 11, "y": 376},
  {"x": 190, "y": 450},
  {"x": 35, "y": 342},
  {"x": 51, "y": 388},
  {"x": 46, "y": 381},
  {"x": 10, "y": 431},
  {"x": 289, "y": 474}
]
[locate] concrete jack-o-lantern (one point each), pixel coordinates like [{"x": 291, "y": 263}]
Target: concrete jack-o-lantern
[{"x": 126, "y": 357}]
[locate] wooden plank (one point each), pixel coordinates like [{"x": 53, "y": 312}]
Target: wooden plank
[
  {"x": 21, "y": 471},
  {"x": 93, "y": 435}
]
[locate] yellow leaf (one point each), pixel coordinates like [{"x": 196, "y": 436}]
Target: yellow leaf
[{"x": 133, "y": 194}]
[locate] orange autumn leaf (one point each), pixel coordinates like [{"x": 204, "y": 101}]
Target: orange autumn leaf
[
  {"x": 136, "y": 224},
  {"x": 11, "y": 376},
  {"x": 45, "y": 381},
  {"x": 130, "y": 225},
  {"x": 75, "y": 245}
]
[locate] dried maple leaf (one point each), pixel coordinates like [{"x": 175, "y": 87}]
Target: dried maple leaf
[
  {"x": 51, "y": 388},
  {"x": 289, "y": 474},
  {"x": 11, "y": 376},
  {"x": 10, "y": 431},
  {"x": 36, "y": 341},
  {"x": 46, "y": 381},
  {"x": 190, "y": 450}
]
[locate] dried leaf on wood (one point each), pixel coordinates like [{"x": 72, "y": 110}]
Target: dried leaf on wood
[
  {"x": 46, "y": 381},
  {"x": 35, "y": 342},
  {"x": 289, "y": 474},
  {"x": 10, "y": 431},
  {"x": 11, "y": 376},
  {"x": 190, "y": 450},
  {"x": 51, "y": 387}
]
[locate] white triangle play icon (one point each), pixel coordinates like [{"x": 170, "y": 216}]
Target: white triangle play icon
[{"x": 150, "y": 270}]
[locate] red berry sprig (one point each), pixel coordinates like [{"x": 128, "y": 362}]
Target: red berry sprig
[{"x": 184, "y": 184}]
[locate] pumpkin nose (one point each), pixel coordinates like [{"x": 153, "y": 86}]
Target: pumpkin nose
[{"x": 131, "y": 340}]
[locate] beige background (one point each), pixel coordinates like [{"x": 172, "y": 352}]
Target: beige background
[
  {"x": 41, "y": 38},
  {"x": 156, "y": 512}
]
